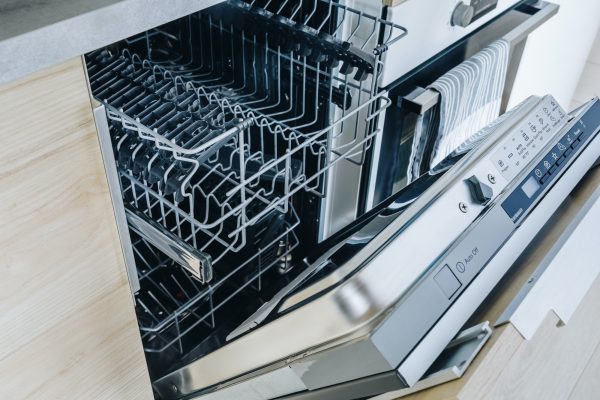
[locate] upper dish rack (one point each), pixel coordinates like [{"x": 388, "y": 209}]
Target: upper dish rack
[{"x": 218, "y": 124}]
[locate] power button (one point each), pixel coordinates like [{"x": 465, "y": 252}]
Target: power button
[{"x": 447, "y": 281}]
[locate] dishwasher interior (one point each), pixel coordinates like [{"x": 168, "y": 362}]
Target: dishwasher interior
[{"x": 225, "y": 126}]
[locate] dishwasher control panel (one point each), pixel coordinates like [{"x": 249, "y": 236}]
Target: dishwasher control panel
[
  {"x": 529, "y": 139},
  {"x": 549, "y": 168}
]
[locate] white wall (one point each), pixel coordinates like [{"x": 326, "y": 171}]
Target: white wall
[
  {"x": 556, "y": 52},
  {"x": 589, "y": 84}
]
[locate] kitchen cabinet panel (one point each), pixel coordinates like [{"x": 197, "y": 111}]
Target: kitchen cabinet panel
[{"x": 66, "y": 311}]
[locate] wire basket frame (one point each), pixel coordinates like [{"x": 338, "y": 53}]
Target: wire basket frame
[
  {"x": 247, "y": 145},
  {"x": 172, "y": 305},
  {"x": 366, "y": 37},
  {"x": 212, "y": 137}
]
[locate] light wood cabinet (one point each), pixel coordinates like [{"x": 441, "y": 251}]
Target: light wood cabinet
[{"x": 67, "y": 323}]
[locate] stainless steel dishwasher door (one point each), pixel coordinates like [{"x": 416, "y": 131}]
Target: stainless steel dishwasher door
[{"x": 381, "y": 318}]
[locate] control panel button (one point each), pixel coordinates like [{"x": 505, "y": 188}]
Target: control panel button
[
  {"x": 544, "y": 178},
  {"x": 561, "y": 160},
  {"x": 547, "y": 165},
  {"x": 447, "y": 281},
  {"x": 480, "y": 192},
  {"x": 561, "y": 147},
  {"x": 552, "y": 169}
]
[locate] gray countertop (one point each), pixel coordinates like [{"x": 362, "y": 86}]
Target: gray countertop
[{"x": 35, "y": 34}]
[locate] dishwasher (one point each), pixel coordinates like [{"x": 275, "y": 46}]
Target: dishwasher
[{"x": 278, "y": 245}]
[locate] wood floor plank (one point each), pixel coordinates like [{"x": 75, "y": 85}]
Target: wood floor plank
[
  {"x": 550, "y": 364},
  {"x": 588, "y": 384}
]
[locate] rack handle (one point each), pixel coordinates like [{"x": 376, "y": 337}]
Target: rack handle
[{"x": 198, "y": 263}]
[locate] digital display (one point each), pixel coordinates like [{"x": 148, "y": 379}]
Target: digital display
[
  {"x": 531, "y": 186},
  {"x": 528, "y": 139}
]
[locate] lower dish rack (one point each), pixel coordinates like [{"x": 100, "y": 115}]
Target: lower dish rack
[
  {"x": 178, "y": 316},
  {"x": 171, "y": 304}
]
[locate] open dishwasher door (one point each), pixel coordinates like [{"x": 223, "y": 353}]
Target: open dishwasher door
[{"x": 380, "y": 301}]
